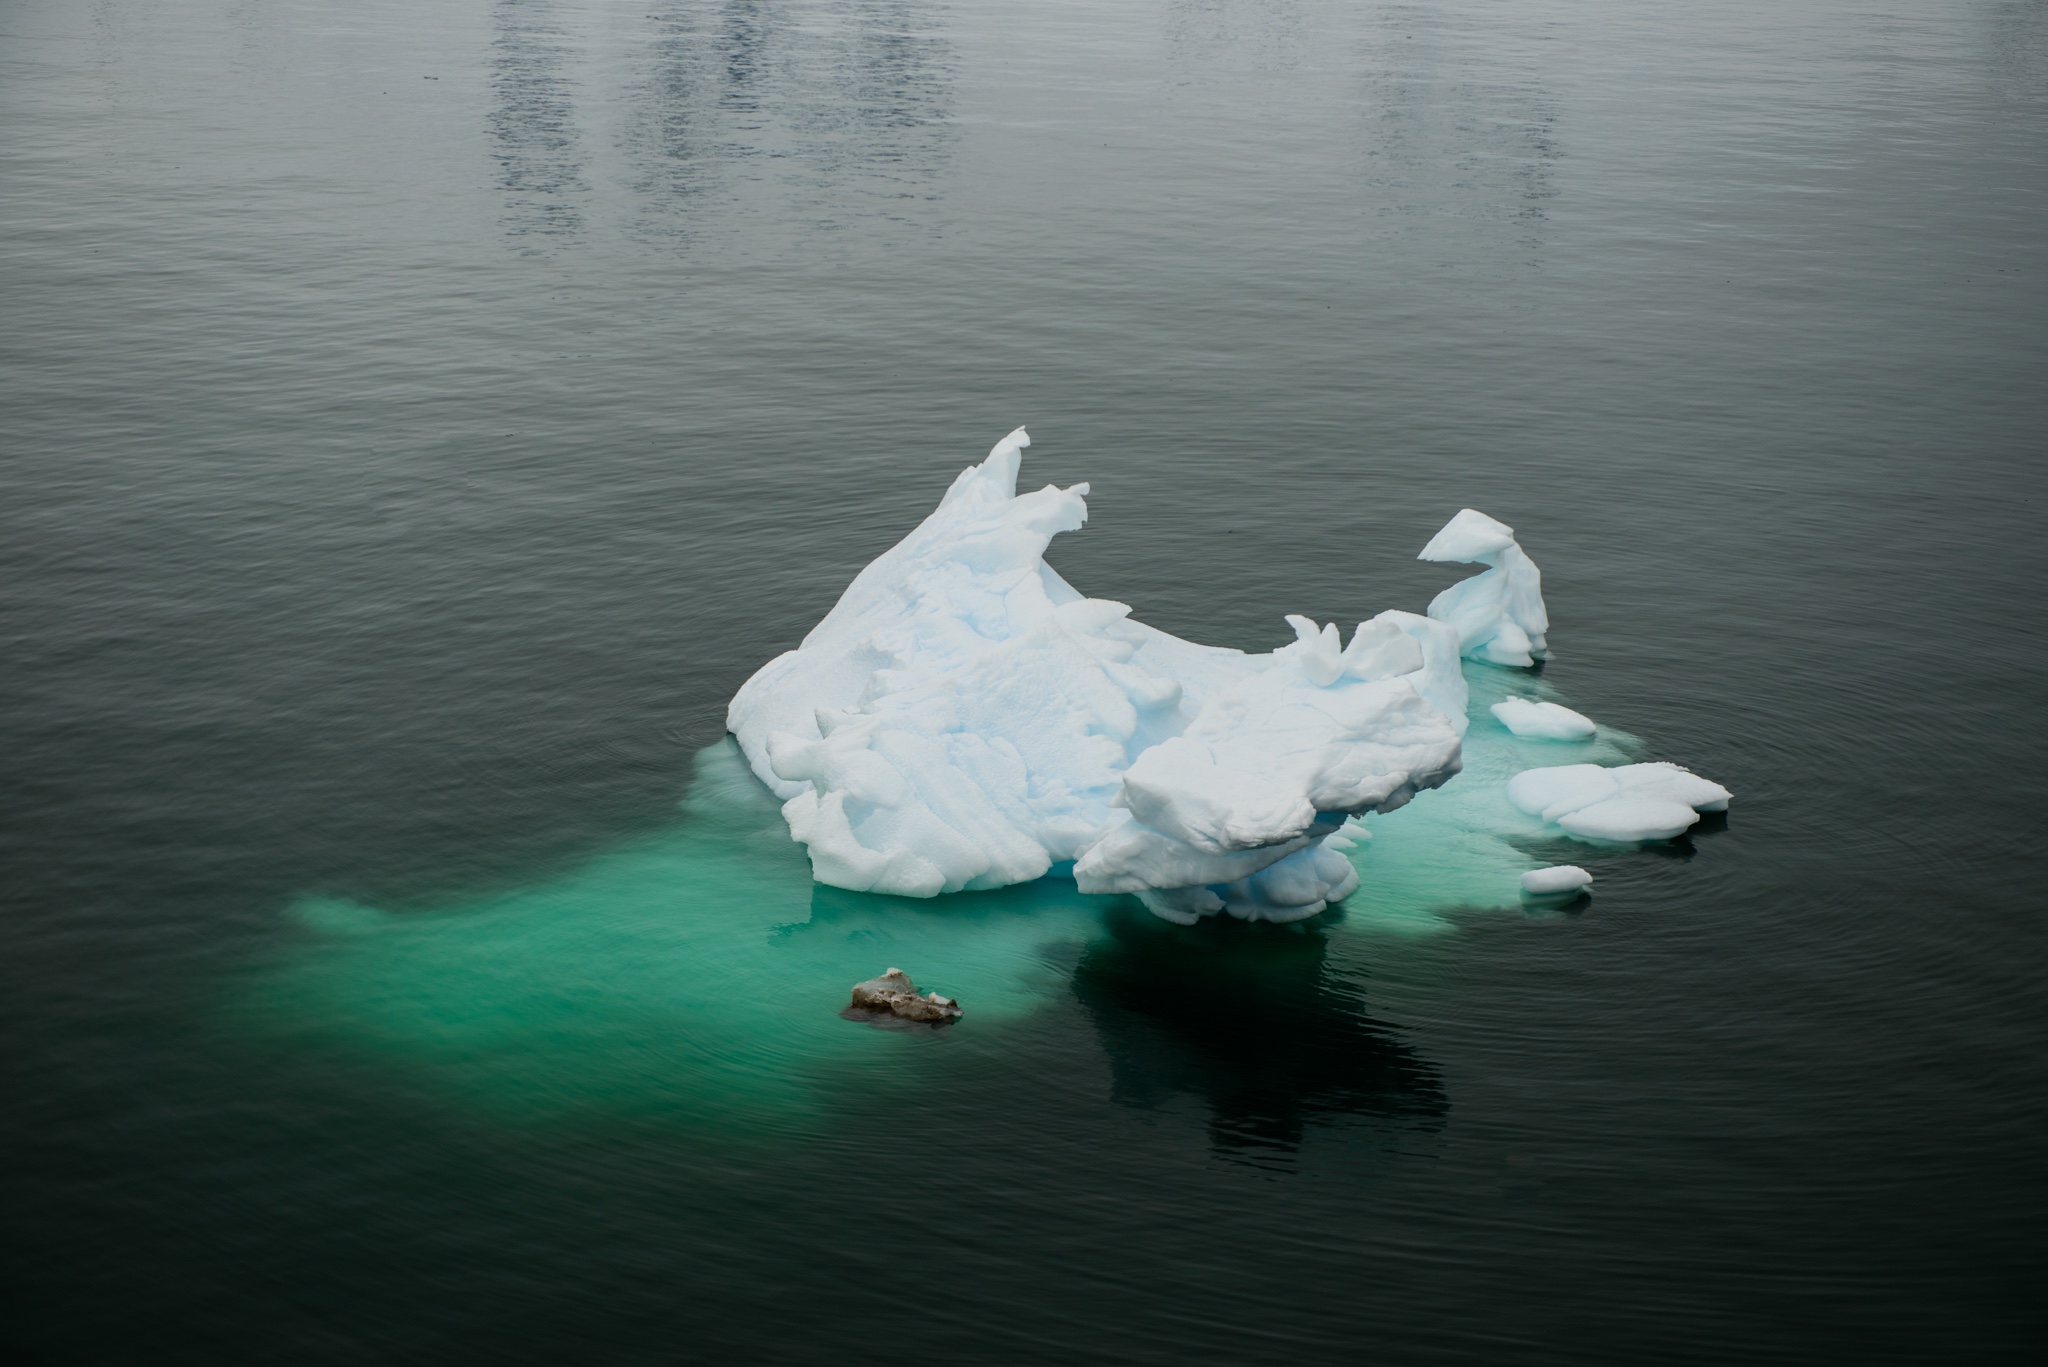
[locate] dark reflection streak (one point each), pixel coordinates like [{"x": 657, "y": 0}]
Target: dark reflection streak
[
  {"x": 743, "y": 100},
  {"x": 533, "y": 126},
  {"x": 899, "y": 79},
  {"x": 2016, "y": 48},
  {"x": 1252, "y": 1020},
  {"x": 1269, "y": 35},
  {"x": 1461, "y": 125},
  {"x": 1541, "y": 151},
  {"x": 672, "y": 156},
  {"x": 743, "y": 43}
]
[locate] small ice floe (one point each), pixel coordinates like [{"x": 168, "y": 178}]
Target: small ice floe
[
  {"x": 1559, "y": 880},
  {"x": 894, "y": 994},
  {"x": 1625, "y": 803},
  {"x": 1534, "y": 720}
]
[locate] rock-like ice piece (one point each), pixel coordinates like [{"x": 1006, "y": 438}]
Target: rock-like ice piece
[
  {"x": 1556, "y": 880},
  {"x": 964, "y": 718},
  {"x": 1499, "y": 615},
  {"x": 895, "y": 993},
  {"x": 1543, "y": 720},
  {"x": 1630, "y": 802}
]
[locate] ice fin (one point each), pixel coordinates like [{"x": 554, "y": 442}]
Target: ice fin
[{"x": 1499, "y": 614}]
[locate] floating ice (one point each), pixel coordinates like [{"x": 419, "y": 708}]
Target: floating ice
[
  {"x": 963, "y": 718},
  {"x": 971, "y": 720},
  {"x": 895, "y": 994},
  {"x": 1556, "y": 880},
  {"x": 1543, "y": 720},
  {"x": 1498, "y": 615},
  {"x": 1628, "y": 802}
]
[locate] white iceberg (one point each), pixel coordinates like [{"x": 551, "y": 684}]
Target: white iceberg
[
  {"x": 1534, "y": 720},
  {"x": 963, "y": 718},
  {"x": 1625, "y": 803},
  {"x": 1499, "y": 615}
]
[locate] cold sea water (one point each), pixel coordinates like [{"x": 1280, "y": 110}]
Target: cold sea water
[{"x": 420, "y": 417}]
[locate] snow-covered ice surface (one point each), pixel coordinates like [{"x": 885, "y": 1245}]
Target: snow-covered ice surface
[
  {"x": 1627, "y": 803},
  {"x": 964, "y": 719}
]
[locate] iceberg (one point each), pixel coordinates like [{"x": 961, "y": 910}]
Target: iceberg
[
  {"x": 964, "y": 718},
  {"x": 1498, "y": 615}
]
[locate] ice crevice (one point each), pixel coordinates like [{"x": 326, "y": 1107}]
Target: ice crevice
[{"x": 963, "y": 718}]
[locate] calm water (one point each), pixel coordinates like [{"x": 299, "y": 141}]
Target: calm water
[{"x": 420, "y": 417}]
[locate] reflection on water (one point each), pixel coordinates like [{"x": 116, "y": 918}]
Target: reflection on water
[
  {"x": 534, "y": 134},
  {"x": 1461, "y": 121},
  {"x": 1261, "y": 1029},
  {"x": 1261, "y": 34},
  {"x": 791, "y": 112},
  {"x": 819, "y": 109}
]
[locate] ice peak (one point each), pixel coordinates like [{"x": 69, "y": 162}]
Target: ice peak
[
  {"x": 1499, "y": 615},
  {"x": 963, "y": 718}
]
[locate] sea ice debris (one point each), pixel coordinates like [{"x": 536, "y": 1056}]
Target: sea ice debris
[
  {"x": 1543, "y": 720},
  {"x": 1629, "y": 802},
  {"x": 1631, "y": 816},
  {"x": 895, "y": 993},
  {"x": 1556, "y": 880}
]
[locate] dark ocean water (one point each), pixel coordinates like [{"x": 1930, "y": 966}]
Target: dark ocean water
[{"x": 419, "y": 418}]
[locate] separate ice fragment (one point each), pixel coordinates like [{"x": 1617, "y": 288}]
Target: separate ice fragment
[
  {"x": 1499, "y": 615},
  {"x": 1543, "y": 720},
  {"x": 896, "y": 994},
  {"x": 1555, "y": 880},
  {"x": 1630, "y": 802}
]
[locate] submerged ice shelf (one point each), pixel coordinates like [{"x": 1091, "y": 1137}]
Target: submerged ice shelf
[{"x": 965, "y": 719}]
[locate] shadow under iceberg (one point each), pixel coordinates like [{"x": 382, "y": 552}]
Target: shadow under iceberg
[{"x": 1252, "y": 1019}]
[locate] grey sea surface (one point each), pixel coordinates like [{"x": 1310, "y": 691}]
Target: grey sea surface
[{"x": 418, "y": 418}]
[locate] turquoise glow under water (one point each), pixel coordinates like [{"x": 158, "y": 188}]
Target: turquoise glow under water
[{"x": 699, "y": 973}]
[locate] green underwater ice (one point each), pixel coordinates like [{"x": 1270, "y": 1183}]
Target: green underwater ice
[{"x": 699, "y": 973}]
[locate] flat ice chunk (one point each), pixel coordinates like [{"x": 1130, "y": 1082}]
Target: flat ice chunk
[
  {"x": 964, "y": 718},
  {"x": 1557, "y": 879},
  {"x": 1552, "y": 792},
  {"x": 1543, "y": 720},
  {"x": 1629, "y": 802},
  {"x": 1499, "y": 615},
  {"x": 1631, "y": 816}
]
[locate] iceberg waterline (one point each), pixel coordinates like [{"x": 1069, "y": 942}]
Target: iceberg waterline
[
  {"x": 696, "y": 973},
  {"x": 964, "y": 719}
]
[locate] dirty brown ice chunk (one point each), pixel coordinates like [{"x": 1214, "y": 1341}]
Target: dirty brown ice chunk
[{"x": 895, "y": 993}]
